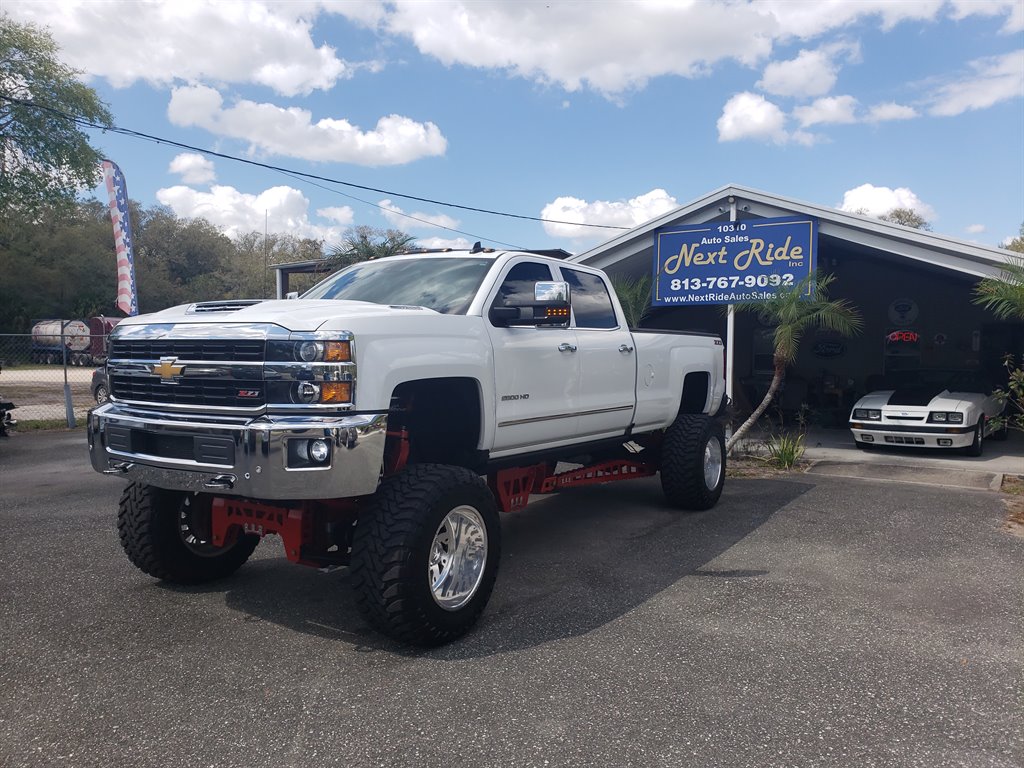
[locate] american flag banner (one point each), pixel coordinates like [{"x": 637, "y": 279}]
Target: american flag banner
[{"x": 127, "y": 297}]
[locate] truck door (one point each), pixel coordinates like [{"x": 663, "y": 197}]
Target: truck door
[
  {"x": 536, "y": 371},
  {"x": 607, "y": 395}
]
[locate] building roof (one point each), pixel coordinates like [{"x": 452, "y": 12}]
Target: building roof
[{"x": 861, "y": 232}]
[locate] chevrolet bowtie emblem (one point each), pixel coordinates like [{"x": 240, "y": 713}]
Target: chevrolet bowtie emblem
[{"x": 167, "y": 369}]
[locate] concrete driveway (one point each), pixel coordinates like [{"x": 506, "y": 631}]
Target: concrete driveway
[{"x": 808, "y": 620}]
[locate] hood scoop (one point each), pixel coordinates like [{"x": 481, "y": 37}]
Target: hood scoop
[{"x": 221, "y": 306}]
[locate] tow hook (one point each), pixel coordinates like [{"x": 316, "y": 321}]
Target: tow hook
[
  {"x": 119, "y": 468},
  {"x": 221, "y": 482}
]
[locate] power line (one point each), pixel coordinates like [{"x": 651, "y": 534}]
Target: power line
[{"x": 170, "y": 142}]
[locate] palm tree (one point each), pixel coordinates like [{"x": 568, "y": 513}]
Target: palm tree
[
  {"x": 635, "y": 297},
  {"x": 1004, "y": 295},
  {"x": 792, "y": 312},
  {"x": 364, "y": 243}
]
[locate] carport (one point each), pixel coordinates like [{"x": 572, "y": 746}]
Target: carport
[{"x": 912, "y": 287}]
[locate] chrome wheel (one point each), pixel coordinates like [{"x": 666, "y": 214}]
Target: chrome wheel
[
  {"x": 194, "y": 527},
  {"x": 712, "y": 463},
  {"x": 458, "y": 555}
]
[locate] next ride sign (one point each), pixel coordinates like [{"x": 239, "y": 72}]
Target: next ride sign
[{"x": 723, "y": 262}]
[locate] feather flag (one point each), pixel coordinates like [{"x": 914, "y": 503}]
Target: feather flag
[{"x": 127, "y": 297}]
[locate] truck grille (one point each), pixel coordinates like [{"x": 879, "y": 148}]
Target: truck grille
[
  {"x": 227, "y": 393},
  {"x": 189, "y": 349}
]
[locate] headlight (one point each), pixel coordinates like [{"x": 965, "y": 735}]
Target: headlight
[
  {"x": 323, "y": 351},
  {"x": 867, "y": 414},
  {"x": 946, "y": 417}
]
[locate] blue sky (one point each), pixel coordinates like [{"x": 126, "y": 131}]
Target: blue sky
[{"x": 598, "y": 113}]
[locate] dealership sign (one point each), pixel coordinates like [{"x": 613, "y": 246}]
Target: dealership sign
[{"x": 723, "y": 262}]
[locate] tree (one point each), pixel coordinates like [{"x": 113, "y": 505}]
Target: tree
[
  {"x": 1004, "y": 296},
  {"x": 792, "y": 312},
  {"x": 364, "y": 243},
  {"x": 44, "y": 158},
  {"x": 635, "y": 297},
  {"x": 1016, "y": 243},
  {"x": 908, "y": 217}
]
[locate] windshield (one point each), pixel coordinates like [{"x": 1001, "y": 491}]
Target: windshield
[{"x": 446, "y": 285}]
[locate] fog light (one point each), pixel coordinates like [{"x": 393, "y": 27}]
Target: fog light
[
  {"x": 319, "y": 450},
  {"x": 867, "y": 438},
  {"x": 307, "y": 392},
  {"x": 945, "y": 442}
]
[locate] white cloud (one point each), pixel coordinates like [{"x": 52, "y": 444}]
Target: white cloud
[
  {"x": 890, "y": 110},
  {"x": 291, "y": 132},
  {"x": 995, "y": 79},
  {"x": 751, "y": 116},
  {"x": 611, "y": 47},
  {"x": 619, "y": 213},
  {"x": 193, "y": 168},
  {"x": 126, "y": 41},
  {"x": 399, "y": 219},
  {"x": 341, "y": 214},
  {"x": 810, "y": 18},
  {"x": 1012, "y": 9},
  {"x": 618, "y": 45},
  {"x": 282, "y": 209},
  {"x": 975, "y": 229},
  {"x": 876, "y": 201},
  {"x": 811, "y": 73},
  {"x": 829, "y": 110}
]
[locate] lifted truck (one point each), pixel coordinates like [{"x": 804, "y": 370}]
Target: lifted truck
[{"x": 359, "y": 424}]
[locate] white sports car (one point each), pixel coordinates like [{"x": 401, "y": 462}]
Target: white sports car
[{"x": 929, "y": 409}]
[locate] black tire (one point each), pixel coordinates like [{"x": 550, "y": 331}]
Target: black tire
[
  {"x": 392, "y": 546},
  {"x": 692, "y": 444},
  {"x": 163, "y": 534},
  {"x": 977, "y": 446}
]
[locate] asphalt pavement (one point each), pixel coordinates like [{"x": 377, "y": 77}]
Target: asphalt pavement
[{"x": 807, "y": 620}]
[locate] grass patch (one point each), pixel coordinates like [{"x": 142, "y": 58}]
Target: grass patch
[
  {"x": 45, "y": 425},
  {"x": 1013, "y": 487}
]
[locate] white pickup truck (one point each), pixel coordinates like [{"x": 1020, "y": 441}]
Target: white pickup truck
[{"x": 383, "y": 419}]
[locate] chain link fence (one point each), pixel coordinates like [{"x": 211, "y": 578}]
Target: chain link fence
[{"x": 48, "y": 386}]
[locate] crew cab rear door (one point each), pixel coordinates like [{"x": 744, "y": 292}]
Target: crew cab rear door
[
  {"x": 536, "y": 370},
  {"x": 607, "y": 395}
]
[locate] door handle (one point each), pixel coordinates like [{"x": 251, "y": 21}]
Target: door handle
[
  {"x": 566, "y": 347},
  {"x": 625, "y": 348}
]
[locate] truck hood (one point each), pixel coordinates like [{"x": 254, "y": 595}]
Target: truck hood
[{"x": 292, "y": 314}]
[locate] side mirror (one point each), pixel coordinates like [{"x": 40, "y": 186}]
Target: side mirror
[
  {"x": 550, "y": 307},
  {"x": 292, "y": 295}
]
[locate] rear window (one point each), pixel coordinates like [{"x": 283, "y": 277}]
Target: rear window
[{"x": 591, "y": 303}]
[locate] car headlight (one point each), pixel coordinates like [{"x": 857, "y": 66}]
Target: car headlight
[
  {"x": 867, "y": 414},
  {"x": 323, "y": 351},
  {"x": 946, "y": 417}
]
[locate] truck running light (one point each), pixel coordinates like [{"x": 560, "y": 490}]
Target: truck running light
[
  {"x": 336, "y": 392},
  {"x": 337, "y": 352}
]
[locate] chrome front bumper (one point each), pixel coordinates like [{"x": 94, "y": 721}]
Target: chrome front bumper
[{"x": 237, "y": 456}]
